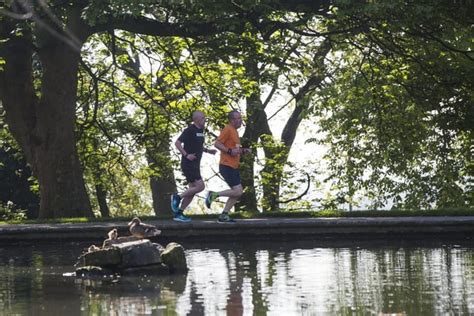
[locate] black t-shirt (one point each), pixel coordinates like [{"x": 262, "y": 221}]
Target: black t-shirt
[{"x": 193, "y": 140}]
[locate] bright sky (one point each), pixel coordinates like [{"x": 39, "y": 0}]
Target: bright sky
[{"x": 306, "y": 156}]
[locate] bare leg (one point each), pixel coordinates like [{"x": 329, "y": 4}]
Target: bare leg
[
  {"x": 234, "y": 194},
  {"x": 229, "y": 204},
  {"x": 188, "y": 195},
  {"x": 235, "y": 191}
]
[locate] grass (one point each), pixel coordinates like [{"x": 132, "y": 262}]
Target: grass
[
  {"x": 81, "y": 220},
  {"x": 359, "y": 213},
  {"x": 280, "y": 214}
]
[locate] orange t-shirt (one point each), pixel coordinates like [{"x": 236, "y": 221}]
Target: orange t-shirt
[{"x": 230, "y": 138}]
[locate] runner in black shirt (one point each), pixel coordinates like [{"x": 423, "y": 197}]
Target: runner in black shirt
[{"x": 191, "y": 146}]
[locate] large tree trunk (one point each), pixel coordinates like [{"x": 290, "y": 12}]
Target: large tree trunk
[
  {"x": 44, "y": 126},
  {"x": 276, "y": 155},
  {"x": 163, "y": 184},
  {"x": 55, "y": 159},
  {"x": 257, "y": 125}
]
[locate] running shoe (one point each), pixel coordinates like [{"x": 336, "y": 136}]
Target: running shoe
[
  {"x": 225, "y": 218},
  {"x": 175, "y": 200},
  {"x": 211, "y": 196},
  {"x": 181, "y": 218}
]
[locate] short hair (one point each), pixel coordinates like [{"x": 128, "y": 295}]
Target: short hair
[{"x": 231, "y": 114}]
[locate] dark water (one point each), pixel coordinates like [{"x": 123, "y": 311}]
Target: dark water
[{"x": 304, "y": 277}]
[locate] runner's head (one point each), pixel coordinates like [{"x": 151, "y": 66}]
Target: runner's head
[
  {"x": 235, "y": 118},
  {"x": 199, "y": 119}
]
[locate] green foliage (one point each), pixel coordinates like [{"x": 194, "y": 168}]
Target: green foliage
[
  {"x": 10, "y": 212},
  {"x": 398, "y": 110},
  {"x": 18, "y": 189},
  {"x": 143, "y": 91}
]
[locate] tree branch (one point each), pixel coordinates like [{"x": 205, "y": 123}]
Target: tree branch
[
  {"x": 301, "y": 195},
  {"x": 146, "y": 26}
]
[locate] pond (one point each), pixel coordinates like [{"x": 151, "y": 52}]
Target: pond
[{"x": 279, "y": 277}]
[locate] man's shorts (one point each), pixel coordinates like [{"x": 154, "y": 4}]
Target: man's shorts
[
  {"x": 191, "y": 171},
  {"x": 230, "y": 175}
]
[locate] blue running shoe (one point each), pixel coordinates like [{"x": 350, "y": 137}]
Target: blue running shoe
[
  {"x": 175, "y": 200},
  {"x": 182, "y": 218},
  {"x": 210, "y": 197}
]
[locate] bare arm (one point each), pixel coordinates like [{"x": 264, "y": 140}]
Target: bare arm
[
  {"x": 231, "y": 151},
  {"x": 179, "y": 145},
  {"x": 224, "y": 149},
  {"x": 220, "y": 146},
  {"x": 186, "y": 155}
]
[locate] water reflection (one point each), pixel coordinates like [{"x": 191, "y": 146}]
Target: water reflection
[
  {"x": 343, "y": 281},
  {"x": 251, "y": 278},
  {"x": 130, "y": 295}
]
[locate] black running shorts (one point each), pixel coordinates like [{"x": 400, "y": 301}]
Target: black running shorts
[
  {"x": 230, "y": 175},
  {"x": 191, "y": 171}
]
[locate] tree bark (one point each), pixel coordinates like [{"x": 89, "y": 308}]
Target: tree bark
[
  {"x": 43, "y": 122},
  {"x": 62, "y": 188},
  {"x": 276, "y": 157},
  {"x": 163, "y": 184},
  {"x": 101, "y": 194},
  {"x": 257, "y": 125},
  {"x": 44, "y": 125}
]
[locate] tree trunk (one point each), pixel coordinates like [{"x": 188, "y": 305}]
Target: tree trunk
[
  {"x": 100, "y": 189},
  {"x": 276, "y": 156},
  {"x": 101, "y": 194},
  {"x": 163, "y": 184},
  {"x": 44, "y": 126},
  {"x": 158, "y": 151},
  {"x": 257, "y": 125}
]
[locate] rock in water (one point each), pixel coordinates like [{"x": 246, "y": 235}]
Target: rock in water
[
  {"x": 138, "y": 253},
  {"x": 103, "y": 258},
  {"x": 173, "y": 256},
  {"x": 131, "y": 258}
]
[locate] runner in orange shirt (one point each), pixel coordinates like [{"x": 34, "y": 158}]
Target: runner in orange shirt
[{"x": 228, "y": 143}]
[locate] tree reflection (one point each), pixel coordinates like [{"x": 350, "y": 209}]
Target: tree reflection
[
  {"x": 342, "y": 280},
  {"x": 131, "y": 295},
  {"x": 244, "y": 278}
]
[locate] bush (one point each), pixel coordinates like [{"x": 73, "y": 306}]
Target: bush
[{"x": 9, "y": 211}]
